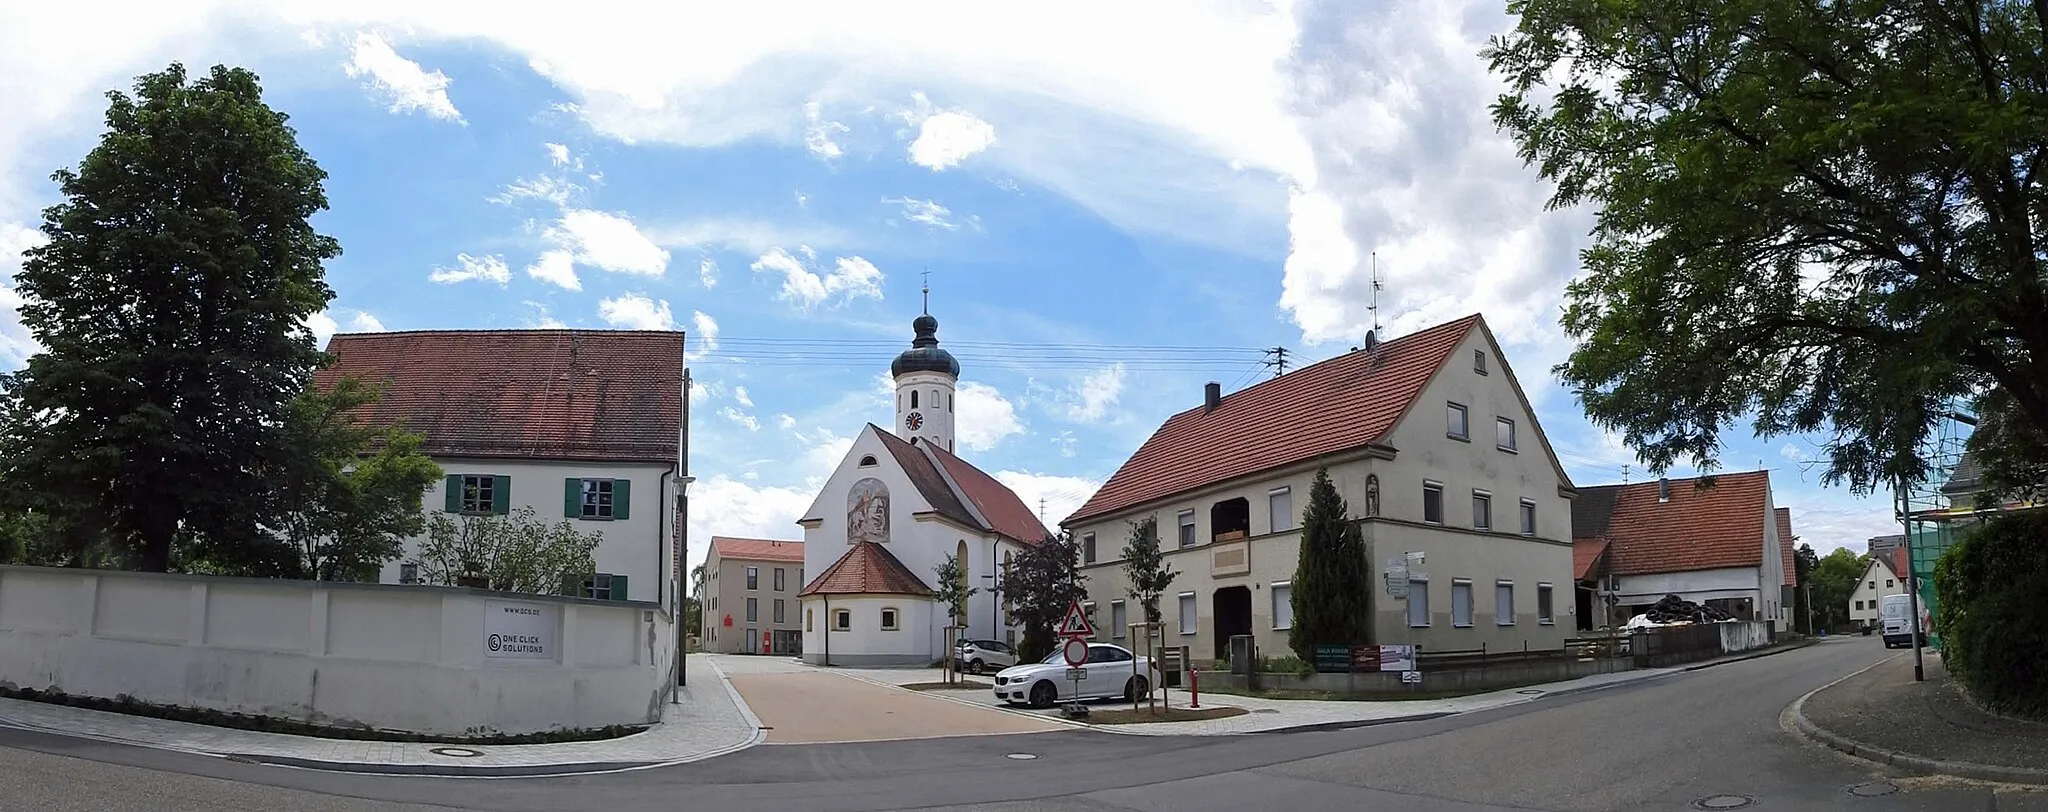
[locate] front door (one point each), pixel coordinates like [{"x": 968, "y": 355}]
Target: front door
[{"x": 1233, "y": 614}]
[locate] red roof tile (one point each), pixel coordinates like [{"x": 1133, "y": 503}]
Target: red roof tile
[
  {"x": 609, "y": 395},
  {"x": 1586, "y": 556},
  {"x": 758, "y": 549},
  {"x": 867, "y": 568},
  {"x": 924, "y": 473},
  {"x": 1784, "y": 515},
  {"x": 1344, "y": 403},
  {"x": 1699, "y": 529},
  {"x": 1006, "y": 514}
]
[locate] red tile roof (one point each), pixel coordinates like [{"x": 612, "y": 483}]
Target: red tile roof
[
  {"x": 1899, "y": 564},
  {"x": 1586, "y": 556},
  {"x": 600, "y": 395},
  {"x": 1784, "y": 516},
  {"x": 1699, "y": 529},
  {"x": 1344, "y": 403},
  {"x": 867, "y": 568},
  {"x": 1006, "y": 514},
  {"x": 758, "y": 549},
  {"x": 924, "y": 473}
]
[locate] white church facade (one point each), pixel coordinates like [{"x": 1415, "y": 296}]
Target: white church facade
[{"x": 897, "y": 506}]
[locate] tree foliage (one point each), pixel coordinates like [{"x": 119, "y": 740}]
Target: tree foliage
[
  {"x": 1332, "y": 580},
  {"x": 170, "y": 302},
  {"x": 348, "y": 494},
  {"x": 2011, "y": 453},
  {"x": 1834, "y": 585},
  {"x": 512, "y": 553},
  {"x": 1043, "y": 581},
  {"x": 1989, "y": 590},
  {"x": 1146, "y": 567},
  {"x": 952, "y": 591},
  {"x": 1804, "y": 563},
  {"x": 1827, "y": 215}
]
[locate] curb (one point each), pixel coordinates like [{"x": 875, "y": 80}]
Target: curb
[
  {"x": 1321, "y": 727},
  {"x": 1880, "y": 755},
  {"x": 1771, "y": 652}
]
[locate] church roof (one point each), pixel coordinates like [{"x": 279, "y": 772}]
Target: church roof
[
  {"x": 867, "y": 568},
  {"x": 923, "y": 472},
  {"x": 925, "y": 354},
  {"x": 961, "y": 492}
]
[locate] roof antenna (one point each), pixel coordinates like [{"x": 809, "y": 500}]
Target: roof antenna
[
  {"x": 1372, "y": 337},
  {"x": 927, "y": 292}
]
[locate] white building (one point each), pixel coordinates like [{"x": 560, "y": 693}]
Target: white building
[
  {"x": 1724, "y": 545},
  {"x": 896, "y": 507},
  {"x": 1881, "y": 578},
  {"x": 583, "y": 426}
]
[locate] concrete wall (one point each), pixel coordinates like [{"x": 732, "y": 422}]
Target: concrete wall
[
  {"x": 637, "y": 547},
  {"x": 400, "y": 658},
  {"x": 729, "y": 590},
  {"x": 1492, "y": 676},
  {"x": 914, "y": 641}
]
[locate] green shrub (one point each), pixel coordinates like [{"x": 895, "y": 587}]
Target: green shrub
[{"x": 1991, "y": 594}]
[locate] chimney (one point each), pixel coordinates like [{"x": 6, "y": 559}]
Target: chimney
[
  {"x": 1212, "y": 396},
  {"x": 1663, "y": 490}
]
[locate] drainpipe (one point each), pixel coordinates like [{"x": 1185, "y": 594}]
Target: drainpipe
[{"x": 827, "y": 634}]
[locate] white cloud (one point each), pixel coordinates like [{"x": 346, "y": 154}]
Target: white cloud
[
  {"x": 363, "y": 322},
  {"x": 1095, "y": 394},
  {"x": 558, "y": 154},
  {"x": 608, "y": 241},
  {"x": 401, "y": 81},
  {"x": 1066, "y": 442},
  {"x": 16, "y": 344},
  {"x": 985, "y": 417},
  {"x": 555, "y": 268},
  {"x": 1792, "y": 452},
  {"x": 785, "y": 422},
  {"x": 705, "y": 328},
  {"x": 321, "y": 325},
  {"x": 725, "y": 506},
  {"x": 551, "y": 188},
  {"x": 1061, "y": 495},
  {"x": 924, "y": 211},
  {"x": 818, "y": 133},
  {"x": 636, "y": 312},
  {"x": 740, "y": 418},
  {"x": 467, "y": 268},
  {"x": 739, "y": 393},
  {"x": 946, "y": 138},
  {"x": 541, "y": 319},
  {"x": 750, "y": 236},
  {"x": 802, "y": 200},
  {"x": 707, "y": 272},
  {"x": 850, "y": 278}
]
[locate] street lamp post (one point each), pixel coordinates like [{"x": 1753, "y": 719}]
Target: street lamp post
[{"x": 683, "y": 565}]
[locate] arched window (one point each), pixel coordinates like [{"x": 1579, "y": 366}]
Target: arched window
[
  {"x": 913, "y": 398},
  {"x": 867, "y": 461},
  {"x": 949, "y": 401}
]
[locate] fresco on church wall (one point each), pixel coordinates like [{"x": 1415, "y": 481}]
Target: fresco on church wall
[{"x": 867, "y": 512}]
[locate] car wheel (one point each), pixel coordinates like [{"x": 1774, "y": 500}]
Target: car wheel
[
  {"x": 1043, "y": 695},
  {"x": 1136, "y": 687},
  {"x": 974, "y": 667}
]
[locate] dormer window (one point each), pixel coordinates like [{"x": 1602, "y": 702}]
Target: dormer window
[{"x": 867, "y": 461}]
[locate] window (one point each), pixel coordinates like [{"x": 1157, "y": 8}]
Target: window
[
  {"x": 949, "y": 407},
  {"x": 781, "y": 612},
  {"x": 1546, "y": 611},
  {"x": 1528, "y": 517},
  {"x": 408, "y": 573},
  {"x": 753, "y": 610},
  {"x": 1458, "y": 429},
  {"x": 780, "y": 584},
  {"x": 1283, "y": 605},
  {"x": 1418, "y": 602},
  {"x": 808, "y": 615},
  {"x": 1187, "y": 528},
  {"x": 753, "y": 577},
  {"x": 595, "y": 499},
  {"x": 478, "y": 494},
  {"x": 1479, "y": 361},
  {"x": 1118, "y": 620},
  {"x": 1087, "y": 548},
  {"x": 888, "y": 620},
  {"x": 1504, "y": 603},
  {"x": 913, "y": 398},
  {"x": 1859, "y": 605},
  {"x": 1482, "y": 510},
  {"x": 1873, "y": 584},
  {"x": 1504, "y": 433},
  {"x": 867, "y": 461},
  {"x": 1461, "y": 603},
  {"x": 1187, "y": 613},
  {"x": 1280, "y": 509},
  {"x": 1888, "y": 583},
  {"x": 596, "y": 586},
  {"x": 1433, "y": 502},
  {"x": 842, "y": 620}
]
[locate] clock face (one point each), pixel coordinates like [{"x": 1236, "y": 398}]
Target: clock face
[{"x": 914, "y": 421}]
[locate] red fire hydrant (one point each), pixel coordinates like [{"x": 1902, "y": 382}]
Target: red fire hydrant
[{"x": 1194, "y": 687}]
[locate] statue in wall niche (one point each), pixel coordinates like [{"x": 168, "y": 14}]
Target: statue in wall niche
[
  {"x": 1372, "y": 495},
  {"x": 867, "y": 512}
]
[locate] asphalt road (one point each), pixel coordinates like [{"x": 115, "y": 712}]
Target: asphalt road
[{"x": 1653, "y": 745}]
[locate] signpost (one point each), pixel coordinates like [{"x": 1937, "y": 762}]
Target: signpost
[{"x": 1076, "y": 628}]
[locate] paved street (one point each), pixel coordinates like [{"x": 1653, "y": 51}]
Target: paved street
[{"x": 1656, "y": 745}]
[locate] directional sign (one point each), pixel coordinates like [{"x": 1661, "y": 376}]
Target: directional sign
[
  {"x": 1396, "y": 574},
  {"x": 1076, "y": 623}
]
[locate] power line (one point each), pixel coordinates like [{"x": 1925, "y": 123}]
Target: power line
[{"x": 1279, "y": 362}]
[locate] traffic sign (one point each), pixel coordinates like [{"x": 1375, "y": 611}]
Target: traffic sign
[
  {"x": 1075, "y": 624},
  {"x": 1076, "y": 652}
]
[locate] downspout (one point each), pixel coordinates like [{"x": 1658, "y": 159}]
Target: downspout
[{"x": 828, "y": 628}]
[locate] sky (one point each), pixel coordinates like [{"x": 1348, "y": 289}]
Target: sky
[{"x": 1111, "y": 203}]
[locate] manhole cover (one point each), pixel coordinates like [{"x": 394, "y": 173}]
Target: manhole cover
[
  {"x": 1528, "y": 691},
  {"x": 1724, "y": 802},
  {"x": 1021, "y": 756},
  {"x": 456, "y": 752},
  {"x": 1873, "y": 789}
]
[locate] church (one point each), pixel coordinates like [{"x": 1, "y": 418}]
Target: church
[{"x": 897, "y": 506}]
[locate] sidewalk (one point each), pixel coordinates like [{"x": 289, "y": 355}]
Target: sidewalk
[
  {"x": 1883, "y": 715},
  {"x": 709, "y": 721}
]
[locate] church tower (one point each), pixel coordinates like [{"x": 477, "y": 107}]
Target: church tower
[{"x": 925, "y": 379}]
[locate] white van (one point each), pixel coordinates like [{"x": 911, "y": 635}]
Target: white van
[{"x": 1895, "y": 613}]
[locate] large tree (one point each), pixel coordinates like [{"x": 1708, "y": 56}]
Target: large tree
[
  {"x": 170, "y": 302},
  {"x": 1043, "y": 581},
  {"x": 1834, "y": 585},
  {"x": 1332, "y": 582},
  {"x": 348, "y": 493},
  {"x": 1811, "y": 216},
  {"x": 1146, "y": 567}
]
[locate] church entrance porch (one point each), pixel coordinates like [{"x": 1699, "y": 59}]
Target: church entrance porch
[{"x": 1232, "y": 609}]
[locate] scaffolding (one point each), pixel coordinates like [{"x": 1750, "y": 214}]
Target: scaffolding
[{"x": 1933, "y": 519}]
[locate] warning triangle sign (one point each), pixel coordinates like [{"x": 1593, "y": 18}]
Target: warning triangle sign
[{"x": 1075, "y": 624}]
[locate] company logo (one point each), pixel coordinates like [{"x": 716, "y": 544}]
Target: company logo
[
  {"x": 515, "y": 644},
  {"x": 494, "y": 642}
]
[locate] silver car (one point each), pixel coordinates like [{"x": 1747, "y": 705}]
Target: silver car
[{"x": 984, "y": 656}]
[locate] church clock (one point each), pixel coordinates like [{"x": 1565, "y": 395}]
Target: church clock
[{"x": 913, "y": 421}]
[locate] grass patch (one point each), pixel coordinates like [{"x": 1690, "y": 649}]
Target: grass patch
[
  {"x": 1127, "y": 716},
  {"x": 1342, "y": 696},
  {"x": 291, "y": 727},
  {"x": 964, "y": 685}
]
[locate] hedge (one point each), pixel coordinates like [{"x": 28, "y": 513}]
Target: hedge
[{"x": 1992, "y": 594}]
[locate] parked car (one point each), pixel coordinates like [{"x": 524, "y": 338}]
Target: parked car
[
  {"x": 983, "y": 656},
  {"x": 1106, "y": 675}
]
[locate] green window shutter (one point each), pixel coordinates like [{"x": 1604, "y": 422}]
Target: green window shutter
[
  {"x": 454, "y": 494},
  {"x": 501, "y": 494},
  {"x": 622, "y": 493},
  {"x": 572, "y": 498},
  {"x": 618, "y": 587}
]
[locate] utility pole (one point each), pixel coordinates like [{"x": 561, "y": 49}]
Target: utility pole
[
  {"x": 1912, "y": 584},
  {"x": 682, "y": 531},
  {"x": 1279, "y": 362}
]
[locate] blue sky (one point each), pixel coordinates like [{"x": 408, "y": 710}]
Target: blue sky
[{"x": 775, "y": 180}]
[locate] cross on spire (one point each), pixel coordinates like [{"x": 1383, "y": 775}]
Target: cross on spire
[{"x": 927, "y": 292}]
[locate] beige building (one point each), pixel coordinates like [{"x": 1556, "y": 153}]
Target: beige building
[
  {"x": 752, "y": 605},
  {"x": 1433, "y": 446}
]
